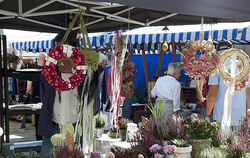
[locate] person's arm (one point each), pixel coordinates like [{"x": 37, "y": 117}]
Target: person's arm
[
  {"x": 29, "y": 87},
  {"x": 108, "y": 84},
  {"x": 176, "y": 100},
  {"x": 211, "y": 100},
  {"x": 213, "y": 87},
  {"x": 248, "y": 104}
]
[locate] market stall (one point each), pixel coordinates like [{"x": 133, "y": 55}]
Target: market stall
[{"x": 86, "y": 109}]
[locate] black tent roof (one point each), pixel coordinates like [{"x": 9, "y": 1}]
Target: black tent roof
[{"x": 54, "y": 15}]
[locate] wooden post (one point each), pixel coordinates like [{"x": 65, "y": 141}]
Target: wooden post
[
  {"x": 131, "y": 55},
  {"x": 145, "y": 67},
  {"x": 159, "y": 64},
  {"x": 173, "y": 51}
]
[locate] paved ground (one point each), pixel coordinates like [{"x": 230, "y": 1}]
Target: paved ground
[{"x": 20, "y": 135}]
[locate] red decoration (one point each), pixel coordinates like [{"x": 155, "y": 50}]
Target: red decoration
[{"x": 49, "y": 69}]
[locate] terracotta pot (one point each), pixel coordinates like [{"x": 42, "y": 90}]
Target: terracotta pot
[
  {"x": 198, "y": 145},
  {"x": 183, "y": 152},
  {"x": 123, "y": 134}
]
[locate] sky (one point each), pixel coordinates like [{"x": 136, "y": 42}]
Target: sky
[{"x": 19, "y": 36}]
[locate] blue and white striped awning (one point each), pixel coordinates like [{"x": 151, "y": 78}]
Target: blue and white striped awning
[
  {"x": 33, "y": 46},
  {"x": 237, "y": 35}
]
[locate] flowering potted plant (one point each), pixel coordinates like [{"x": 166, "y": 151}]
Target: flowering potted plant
[
  {"x": 123, "y": 124},
  {"x": 64, "y": 144},
  {"x": 128, "y": 78},
  {"x": 162, "y": 152},
  {"x": 200, "y": 132},
  {"x": 12, "y": 60},
  {"x": 183, "y": 148},
  {"x": 100, "y": 123},
  {"x": 239, "y": 146}
]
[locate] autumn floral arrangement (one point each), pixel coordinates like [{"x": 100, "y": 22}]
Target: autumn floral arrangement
[
  {"x": 199, "y": 58},
  {"x": 65, "y": 144},
  {"x": 128, "y": 78}
]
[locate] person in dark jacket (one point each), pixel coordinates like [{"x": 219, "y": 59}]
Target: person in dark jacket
[{"x": 47, "y": 125}]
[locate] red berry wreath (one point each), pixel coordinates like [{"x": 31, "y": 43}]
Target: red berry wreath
[{"x": 49, "y": 69}]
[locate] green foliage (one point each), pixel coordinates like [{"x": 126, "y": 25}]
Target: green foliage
[
  {"x": 123, "y": 123},
  {"x": 157, "y": 110},
  {"x": 100, "y": 120},
  {"x": 200, "y": 129},
  {"x": 180, "y": 143}
]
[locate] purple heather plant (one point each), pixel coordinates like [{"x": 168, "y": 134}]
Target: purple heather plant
[
  {"x": 169, "y": 128},
  {"x": 162, "y": 151},
  {"x": 63, "y": 152},
  {"x": 243, "y": 126},
  {"x": 239, "y": 146}
]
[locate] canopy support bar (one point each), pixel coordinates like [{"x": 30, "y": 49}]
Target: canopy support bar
[
  {"x": 7, "y": 17},
  {"x": 8, "y": 13},
  {"x": 162, "y": 18},
  {"x": 20, "y": 7},
  {"x": 96, "y": 21},
  {"x": 103, "y": 13},
  {"x": 42, "y": 23},
  {"x": 38, "y": 7},
  {"x": 51, "y": 12},
  {"x": 92, "y": 3}
]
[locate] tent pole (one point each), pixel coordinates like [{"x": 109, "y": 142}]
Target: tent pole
[
  {"x": 7, "y": 128},
  {"x": 131, "y": 55},
  {"x": 173, "y": 51},
  {"x": 145, "y": 67},
  {"x": 39, "y": 7},
  {"x": 1, "y": 95},
  {"x": 159, "y": 63}
]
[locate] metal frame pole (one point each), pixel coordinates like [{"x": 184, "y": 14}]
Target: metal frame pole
[
  {"x": 1, "y": 95},
  {"x": 6, "y": 95}
]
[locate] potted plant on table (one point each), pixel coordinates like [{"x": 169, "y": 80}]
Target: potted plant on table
[
  {"x": 100, "y": 123},
  {"x": 183, "y": 149},
  {"x": 123, "y": 124},
  {"x": 200, "y": 132},
  {"x": 12, "y": 60}
]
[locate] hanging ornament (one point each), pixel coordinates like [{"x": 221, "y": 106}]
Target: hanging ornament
[
  {"x": 165, "y": 46},
  {"x": 242, "y": 67},
  {"x": 69, "y": 53}
]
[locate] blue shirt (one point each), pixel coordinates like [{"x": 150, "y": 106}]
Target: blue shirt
[{"x": 238, "y": 102}]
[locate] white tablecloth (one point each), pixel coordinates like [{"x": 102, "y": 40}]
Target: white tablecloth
[{"x": 105, "y": 143}]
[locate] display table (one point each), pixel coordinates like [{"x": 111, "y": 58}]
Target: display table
[
  {"x": 24, "y": 109},
  {"x": 26, "y": 74},
  {"x": 105, "y": 143}
]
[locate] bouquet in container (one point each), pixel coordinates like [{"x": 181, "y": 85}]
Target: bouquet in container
[
  {"x": 162, "y": 151},
  {"x": 64, "y": 144},
  {"x": 128, "y": 78}
]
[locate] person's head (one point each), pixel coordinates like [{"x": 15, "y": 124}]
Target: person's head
[
  {"x": 102, "y": 60},
  {"x": 174, "y": 70},
  {"x": 41, "y": 59},
  {"x": 71, "y": 40}
]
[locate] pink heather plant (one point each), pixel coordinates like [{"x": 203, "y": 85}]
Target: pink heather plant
[
  {"x": 162, "y": 151},
  {"x": 158, "y": 155},
  {"x": 154, "y": 148}
]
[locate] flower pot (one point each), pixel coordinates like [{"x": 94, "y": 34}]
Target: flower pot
[
  {"x": 113, "y": 134},
  {"x": 98, "y": 132},
  {"x": 123, "y": 134},
  {"x": 183, "y": 152},
  {"x": 12, "y": 66},
  {"x": 198, "y": 145}
]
